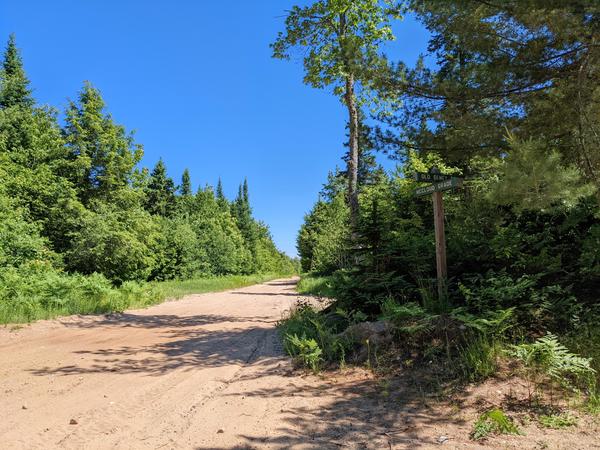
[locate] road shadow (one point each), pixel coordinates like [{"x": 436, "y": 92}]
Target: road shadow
[
  {"x": 183, "y": 344},
  {"x": 361, "y": 414},
  {"x": 290, "y": 283},
  {"x": 167, "y": 321},
  {"x": 274, "y": 294}
]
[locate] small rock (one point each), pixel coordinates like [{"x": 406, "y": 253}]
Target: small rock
[
  {"x": 220, "y": 431},
  {"x": 23, "y": 407},
  {"x": 442, "y": 439},
  {"x": 72, "y": 422}
]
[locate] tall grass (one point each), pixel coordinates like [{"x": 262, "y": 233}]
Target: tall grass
[
  {"x": 321, "y": 286},
  {"x": 26, "y": 296},
  {"x": 177, "y": 289}
]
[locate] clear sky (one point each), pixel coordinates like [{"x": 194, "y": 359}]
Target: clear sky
[{"x": 195, "y": 80}]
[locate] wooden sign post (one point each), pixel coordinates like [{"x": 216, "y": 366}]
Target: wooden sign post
[{"x": 441, "y": 183}]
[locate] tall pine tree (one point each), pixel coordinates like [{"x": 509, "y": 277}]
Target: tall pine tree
[
  {"x": 186, "y": 184},
  {"x": 104, "y": 154},
  {"x": 221, "y": 200},
  {"x": 15, "y": 85},
  {"x": 160, "y": 192}
]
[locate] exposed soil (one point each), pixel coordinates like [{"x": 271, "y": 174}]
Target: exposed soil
[{"x": 208, "y": 371}]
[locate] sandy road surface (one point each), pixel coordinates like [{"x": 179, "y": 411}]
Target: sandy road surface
[{"x": 203, "y": 372}]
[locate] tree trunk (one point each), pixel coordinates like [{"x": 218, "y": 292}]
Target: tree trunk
[{"x": 353, "y": 156}]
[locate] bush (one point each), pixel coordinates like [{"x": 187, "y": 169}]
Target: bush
[
  {"x": 116, "y": 243},
  {"x": 304, "y": 350},
  {"x": 493, "y": 422},
  {"x": 38, "y": 291},
  {"x": 305, "y": 324},
  {"x": 548, "y": 358}
]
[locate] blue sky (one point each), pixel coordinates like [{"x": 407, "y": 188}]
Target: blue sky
[{"x": 196, "y": 82}]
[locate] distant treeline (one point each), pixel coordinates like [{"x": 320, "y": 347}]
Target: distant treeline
[{"x": 73, "y": 200}]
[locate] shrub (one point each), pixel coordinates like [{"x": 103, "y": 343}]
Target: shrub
[
  {"x": 494, "y": 421},
  {"x": 39, "y": 292},
  {"x": 305, "y": 323},
  {"x": 115, "y": 243},
  {"x": 548, "y": 358},
  {"x": 304, "y": 350},
  {"x": 557, "y": 421}
]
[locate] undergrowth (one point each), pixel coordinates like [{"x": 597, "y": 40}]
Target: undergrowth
[
  {"x": 494, "y": 421},
  {"x": 320, "y": 286},
  {"x": 312, "y": 338},
  {"x": 37, "y": 294},
  {"x": 557, "y": 421}
]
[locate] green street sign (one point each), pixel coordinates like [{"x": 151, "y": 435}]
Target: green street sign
[
  {"x": 445, "y": 185},
  {"x": 420, "y": 192},
  {"x": 431, "y": 177}
]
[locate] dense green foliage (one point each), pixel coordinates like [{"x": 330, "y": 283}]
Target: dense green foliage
[
  {"x": 513, "y": 105},
  {"x": 82, "y": 227}
]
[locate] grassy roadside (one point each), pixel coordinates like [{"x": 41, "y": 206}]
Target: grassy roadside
[
  {"x": 320, "y": 286},
  {"x": 177, "y": 289},
  {"x": 53, "y": 295}
]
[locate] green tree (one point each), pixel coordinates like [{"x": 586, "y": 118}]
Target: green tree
[
  {"x": 104, "y": 154},
  {"x": 186, "y": 184},
  {"x": 530, "y": 67},
  {"x": 14, "y": 87},
  {"x": 20, "y": 240},
  {"x": 115, "y": 242},
  {"x": 33, "y": 158},
  {"x": 221, "y": 199},
  {"x": 160, "y": 191},
  {"x": 340, "y": 40},
  {"x": 178, "y": 253},
  {"x": 220, "y": 236},
  {"x": 323, "y": 236}
]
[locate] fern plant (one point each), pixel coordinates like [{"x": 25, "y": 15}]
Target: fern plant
[
  {"x": 306, "y": 351},
  {"x": 493, "y": 422},
  {"x": 547, "y": 357}
]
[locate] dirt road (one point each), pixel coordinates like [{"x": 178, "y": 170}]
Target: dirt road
[
  {"x": 204, "y": 372},
  {"x": 208, "y": 372}
]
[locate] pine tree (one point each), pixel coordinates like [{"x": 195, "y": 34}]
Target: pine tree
[
  {"x": 221, "y": 200},
  {"x": 14, "y": 88},
  {"x": 186, "y": 185},
  {"x": 104, "y": 154},
  {"x": 160, "y": 192},
  {"x": 245, "y": 193},
  {"x": 242, "y": 213}
]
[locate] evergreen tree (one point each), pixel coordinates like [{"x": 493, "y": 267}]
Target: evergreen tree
[
  {"x": 221, "y": 200},
  {"x": 245, "y": 193},
  {"x": 32, "y": 153},
  {"x": 104, "y": 154},
  {"x": 14, "y": 87},
  {"x": 186, "y": 185},
  {"x": 243, "y": 216},
  {"x": 160, "y": 192},
  {"x": 529, "y": 67}
]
